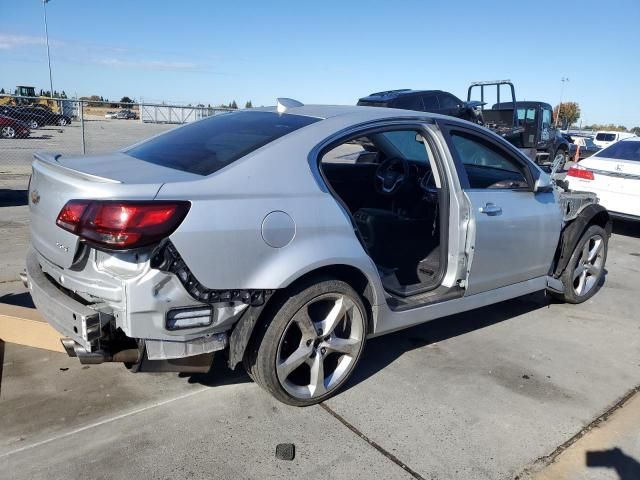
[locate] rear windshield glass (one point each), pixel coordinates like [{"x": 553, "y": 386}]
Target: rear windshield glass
[
  {"x": 206, "y": 146},
  {"x": 624, "y": 150},
  {"x": 606, "y": 137},
  {"x": 367, "y": 103}
]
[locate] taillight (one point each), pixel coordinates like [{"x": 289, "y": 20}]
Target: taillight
[
  {"x": 122, "y": 224},
  {"x": 578, "y": 171}
]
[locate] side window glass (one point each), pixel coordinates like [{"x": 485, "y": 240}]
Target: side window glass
[
  {"x": 447, "y": 101},
  {"x": 409, "y": 144},
  {"x": 486, "y": 166},
  {"x": 409, "y": 103},
  {"x": 431, "y": 103},
  {"x": 546, "y": 118},
  {"x": 360, "y": 150}
]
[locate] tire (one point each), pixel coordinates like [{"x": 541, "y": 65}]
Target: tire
[
  {"x": 8, "y": 132},
  {"x": 62, "y": 121},
  {"x": 581, "y": 282},
  {"x": 292, "y": 358},
  {"x": 33, "y": 124}
]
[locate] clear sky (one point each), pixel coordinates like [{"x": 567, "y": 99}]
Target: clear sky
[{"x": 328, "y": 51}]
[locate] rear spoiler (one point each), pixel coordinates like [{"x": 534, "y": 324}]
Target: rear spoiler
[{"x": 50, "y": 160}]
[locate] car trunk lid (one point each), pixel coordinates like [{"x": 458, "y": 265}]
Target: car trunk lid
[{"x": 56, "y": 180}]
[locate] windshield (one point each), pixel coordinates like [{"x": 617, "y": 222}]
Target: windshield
[
  {"x": 605, "y": 137},
  {"x": 206, "y": 146},
  {"x": 624, "y": 150}
]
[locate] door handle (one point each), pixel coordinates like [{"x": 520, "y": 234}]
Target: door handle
[{"x": 491, "y": 209}]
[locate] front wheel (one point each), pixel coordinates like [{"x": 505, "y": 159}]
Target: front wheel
[
  {"x": 311, "y": 345},
  {"x": 33, "y": 124},
  {"x": 583, "y": 276},
  {"x": 62, "y": 121},
  {"x": 560, "y": 159},
  {"x": 8, "y": 132}
]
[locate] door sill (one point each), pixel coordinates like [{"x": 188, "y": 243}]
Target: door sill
[{"x": 440, "y": 294}]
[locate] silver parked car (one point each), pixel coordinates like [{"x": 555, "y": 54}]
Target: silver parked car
[{"x": 287, "y": 236}]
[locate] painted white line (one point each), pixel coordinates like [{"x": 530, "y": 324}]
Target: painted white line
[{"x": 103, "y": 422}]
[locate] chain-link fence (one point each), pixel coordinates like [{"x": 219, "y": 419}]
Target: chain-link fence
[{"x": 76, "y": 127}]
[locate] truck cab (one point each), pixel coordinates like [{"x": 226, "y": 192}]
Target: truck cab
[{"x": 528, "y": 125}]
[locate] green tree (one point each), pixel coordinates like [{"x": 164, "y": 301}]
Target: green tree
[
  {"x": 634, "y": 130},
  {"x": 248, "y": 104},
  {"x": 1, "y": 91},
  {"x": 233, "y": 105},
  {"x": 567, "y": 113},
  {"x": 125, "y": 100}
]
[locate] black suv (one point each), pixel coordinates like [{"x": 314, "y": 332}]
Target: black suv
[{"x": 434, "y": 101}]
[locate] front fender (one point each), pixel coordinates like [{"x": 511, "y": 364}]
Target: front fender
[{"x": 571, "y": 233}]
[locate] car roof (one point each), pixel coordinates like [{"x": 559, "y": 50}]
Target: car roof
[
  {"x": 523, "y": 103},
  {"x": 393, "y": 94},
  {"x": 353, "y": 113}
]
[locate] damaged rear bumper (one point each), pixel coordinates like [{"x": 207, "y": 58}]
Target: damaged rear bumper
[{"x": 100, "y": 331}]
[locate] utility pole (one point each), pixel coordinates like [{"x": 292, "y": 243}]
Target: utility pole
[
  {"x": 563, "y": 80},
  {"x": 46, "y": 32}
]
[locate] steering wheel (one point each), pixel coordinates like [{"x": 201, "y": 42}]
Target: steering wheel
[{"x": 391, "y": 175}]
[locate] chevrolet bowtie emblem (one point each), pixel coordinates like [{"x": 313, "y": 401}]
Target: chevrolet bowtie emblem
[{"x": 35, "y": 197}]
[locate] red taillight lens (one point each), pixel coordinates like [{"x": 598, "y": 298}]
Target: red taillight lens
[
  {"x": 580, "y": 172},
  {"x": 122, "y": 224},
  {"x": 70, "y": 215}
]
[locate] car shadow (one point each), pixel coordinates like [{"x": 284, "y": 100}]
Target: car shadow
[
  {"x": 13, "y": 198},
  {"x": 39, "y": 137},
  {"x": 626, "y": 228},
  {"x": 18, "y": 299},
  {"x": 382, "y": 351},
  {"x": 1, "y": 363},
  {"x": 626, "y": 467},
  {"x": 219, "y": 374}
]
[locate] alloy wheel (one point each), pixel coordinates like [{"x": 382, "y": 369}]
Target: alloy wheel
[
  {"x": 8, "y": 132},
  {"x": 62, "y": 122},
  {"x": 320, "y": 346},
  {"x": 33, "y": 124},
  {"x": 589, "y": 266}
]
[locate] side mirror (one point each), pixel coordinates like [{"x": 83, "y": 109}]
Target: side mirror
[{"x": 543, "y": 184}]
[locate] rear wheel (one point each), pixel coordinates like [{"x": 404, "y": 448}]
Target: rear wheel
[
  {"x": 33, "y": 124},
  {"x": 583, "y": 275},
  {"x": 8, "y": 132},
  {"x": 62, "y": 121},
  {"x": 311, "y": 345}
]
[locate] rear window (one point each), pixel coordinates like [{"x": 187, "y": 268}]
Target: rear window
[
  {"x": 606, "y": 137},
  {"x": 624, "y": 150},
  {"x": 209, "y": 145},
  {"x": 368, "y": 103}
]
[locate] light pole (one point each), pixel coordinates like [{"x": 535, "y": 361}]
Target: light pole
[
  {"x": 563, "y": 80},
  {"x": 46, "y": 32}
]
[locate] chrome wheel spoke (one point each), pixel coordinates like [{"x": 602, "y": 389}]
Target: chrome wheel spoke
[
  {"x": 335, "y": 315},
  {"x": 592, "y": 269},
  {"x": 595, "y": 250},
  {"x": 348, "y": 346},
  {"x": 316, "y": 386},
  {"x": 578, "y": 271},
  {"x": 293, "y": 361},
  {"x": 305, "y": 324},
  {"x": 581, "y": 283}
]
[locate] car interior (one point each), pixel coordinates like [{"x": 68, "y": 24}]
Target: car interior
[{"x": 387, "y": 183}]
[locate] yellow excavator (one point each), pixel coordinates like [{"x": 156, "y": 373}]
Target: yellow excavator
[{"x": 27, "y": 96}]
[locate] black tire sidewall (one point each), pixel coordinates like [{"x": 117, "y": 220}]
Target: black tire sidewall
[
  {"x": 567, "y": 276},
  {"x": 261, "y": 365}
]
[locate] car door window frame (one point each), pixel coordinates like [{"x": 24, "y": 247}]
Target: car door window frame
[{"x": 495, "y": 144}]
